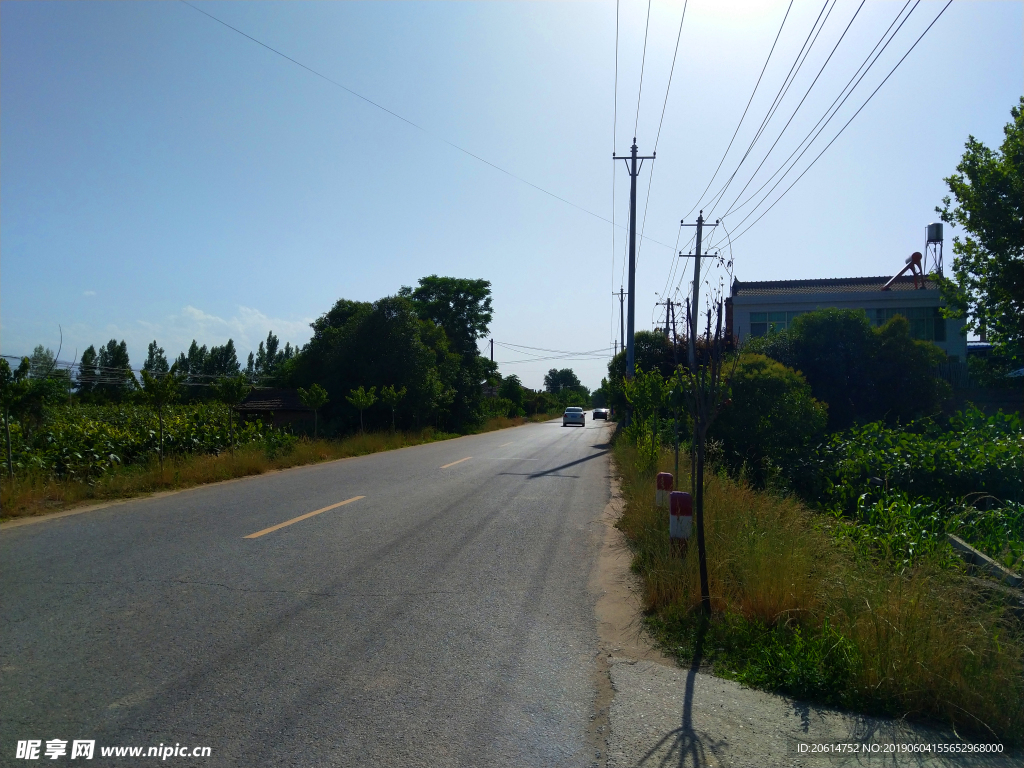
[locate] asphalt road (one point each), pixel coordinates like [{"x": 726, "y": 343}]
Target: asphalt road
[{"x": 442, "y": 619}]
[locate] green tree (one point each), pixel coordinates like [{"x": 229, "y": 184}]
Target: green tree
[
  {"x": 358, "y": 342},
  {"x": 116, "y": 379},
  {"x": 156, "y": 360},
  {"x": 461, "y": 306},
  {"x": 862, "y": 373},
  {"x": 232, "y": 390},
  {"x": 462, "y": 309},
  {"x": 88, "y": 373},
  {"x": 160, "y": 390},
  {"x": 361, "y": 399},
  {"x": 987, "y": 284},
  {"x": 771, "y": 421},
  {"x": 391, "y": 397},
  {"x": 511, "y": 389},
  {"x": 15, "y": 392},
  {"x": 561, "y": 380},
  {"x": 315, "y": 397}
]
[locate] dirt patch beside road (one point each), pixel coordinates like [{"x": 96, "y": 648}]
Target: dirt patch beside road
[{"x": 651, "y": 712}]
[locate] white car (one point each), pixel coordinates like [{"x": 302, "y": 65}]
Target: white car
[{"x": 574, "y": 415}]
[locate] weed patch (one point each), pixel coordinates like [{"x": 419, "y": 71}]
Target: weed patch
[{"x": 802, "y": 610}]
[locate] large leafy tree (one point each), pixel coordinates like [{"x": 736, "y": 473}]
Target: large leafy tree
[
  {"x": 461, "y": 306},
  {"x": 380, "y": 344},
  {"x": 462, "y": 309},
  {"x": 561, "y": 380},
  {"x": 862, "y": 373},
  {"x": 987, "y": 285}
]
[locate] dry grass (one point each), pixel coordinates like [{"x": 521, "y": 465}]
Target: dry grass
[
  {"x": 37, "y": 494},
  {"x": 921, "y": 643}
]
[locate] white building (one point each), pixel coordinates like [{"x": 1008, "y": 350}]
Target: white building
[{"x": 755, "y": 309}]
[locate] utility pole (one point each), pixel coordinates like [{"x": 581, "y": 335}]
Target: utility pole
[
  {"x": 634, "y": 170},
  {"x": 622, "y": 327},
  {"x": 694, "y": 304},
  {"x": 668, "y": 312},
  {"x": 492, "y": 350}
]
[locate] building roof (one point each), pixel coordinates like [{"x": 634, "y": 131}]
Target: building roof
[
  {"x": 272, "y": 401},
  {"x": 827, "y": 285}
]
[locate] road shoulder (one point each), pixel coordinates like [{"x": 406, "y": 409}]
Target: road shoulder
[{"x": 651, "y": 712}]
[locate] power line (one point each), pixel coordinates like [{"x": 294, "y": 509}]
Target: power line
[
  {"x": 643, "y": 61},
  {"x": 657, "y": 138},
  {"x": 844, "y": 94},
  {"x": 403, "y": 119},
  {"x": 738, "y": 236},
  {"x": 802, "y": 100},
  {"x": 744, "y": 115},
  {"x": 794, "y": 70}
]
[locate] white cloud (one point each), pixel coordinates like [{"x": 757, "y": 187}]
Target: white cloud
[{"x": 88, "y": 293}]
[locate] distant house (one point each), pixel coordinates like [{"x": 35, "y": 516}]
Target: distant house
[
  {"x": 758, "y": 308},
  {"x": 274, "y": 406}
]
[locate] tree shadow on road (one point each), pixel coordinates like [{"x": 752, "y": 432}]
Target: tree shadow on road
[{"x": 687, "y": 747}]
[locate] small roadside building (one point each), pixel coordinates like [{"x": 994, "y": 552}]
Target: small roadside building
[
  {"x": 758, "y": 308},
  {"x": 276, "y": 407}
]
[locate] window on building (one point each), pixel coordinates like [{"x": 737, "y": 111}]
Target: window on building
[
  {"x": 762, "y": 323},
  {"x": 926, "y": 323}
]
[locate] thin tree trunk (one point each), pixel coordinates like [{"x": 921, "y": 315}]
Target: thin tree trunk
[
  {"x": 231, "y": 430},
  {"x": 160, "y": 414},
  {"x": 7, "y": 430},
  {"x": 705, "y": 592},
  {"x": 361, "y": 422},
  {"x": 314, "y": 425}
]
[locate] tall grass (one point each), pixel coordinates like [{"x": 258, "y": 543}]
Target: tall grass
[
  {"x": 798, "y": 611},
  {"x": 33, "y": 493}
]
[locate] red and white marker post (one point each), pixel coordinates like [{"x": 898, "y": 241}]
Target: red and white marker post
[
  {"x": 680, "y": 520},
  {"x": 664, "y": 485}
]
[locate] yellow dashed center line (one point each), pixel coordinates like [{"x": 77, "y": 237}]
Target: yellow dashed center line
[
  {"x": 456, "y": 462},
  {"x": 286, "y": 523}
]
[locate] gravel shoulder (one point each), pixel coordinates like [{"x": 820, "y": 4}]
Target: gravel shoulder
[{"x": 652, "y": 712}]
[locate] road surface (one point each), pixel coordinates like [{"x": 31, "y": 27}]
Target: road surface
[{"x": 441, "y": 617}]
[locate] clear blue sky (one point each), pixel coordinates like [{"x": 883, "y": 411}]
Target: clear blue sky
[{"x": 162, "y": 177}]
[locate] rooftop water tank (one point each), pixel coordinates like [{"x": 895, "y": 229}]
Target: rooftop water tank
[{"x": 935, "y": 233}]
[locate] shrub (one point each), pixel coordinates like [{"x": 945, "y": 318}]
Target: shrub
[
  {"x": 772, "y": 420},
  {"x": 862, "y": 373}
]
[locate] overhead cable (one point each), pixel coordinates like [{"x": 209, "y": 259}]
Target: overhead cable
[
  {"x": 404, "y": 119},
  {"x": 738, "y": 236}
]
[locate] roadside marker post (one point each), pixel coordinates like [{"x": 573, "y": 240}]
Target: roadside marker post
[
  {"x": 680, "y": 519},
  {"x": 664, "y": 486}
]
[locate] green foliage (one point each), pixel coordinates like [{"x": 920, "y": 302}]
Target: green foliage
[
  {"x": 511, "y": 389},
  {"x": 810, "y": 662},
  {"x": 357, "y": 344},
  {"x": 645, "y": 393},
  {"x": 771, "y": 421},
  {"x": 862, "y": 373},
  {"x": 156, "y": 360},
  {"x": 987, "y": 286},
  {"x": 501, "y": 406},
  {"x": 269, "y": 362},
  {"x": 361, "y": 399},
  {"x": 652, "y": 351},
  {"x": 316, "y": 396},
  {"x": 556, "y": 381},
  {"x": 160, "y": 391},
  {"x": 232, "y": 390},
  {"x": 969, "y": 454},
  {"x": 461, "y": 306},
  {"x": 86, "y": 441}
]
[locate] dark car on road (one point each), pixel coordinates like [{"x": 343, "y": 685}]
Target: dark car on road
[{"x": 601, "y": 413}]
